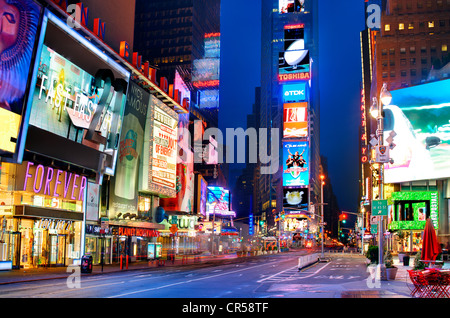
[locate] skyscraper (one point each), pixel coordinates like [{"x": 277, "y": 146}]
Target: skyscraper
[{"x": 290, "y": 103}]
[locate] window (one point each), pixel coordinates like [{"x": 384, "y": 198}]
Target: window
[
  {"x": 385, "y": 74},
  {"x": 401, "y": 26},
  {"x": 402, "y": 62},
  {"x": 412, "y": 61},
  {"x": 411, "y": 26},
  {"x": 412, "y": 49},
  {"x": 431, "y": 24},
  {"x": 433, "y": 49},
  {"x": 441, "y": 23},
  {"x": 444, "y": 48},
  {"x": 403, "y": 73},
  {"x": 402, "y": 50},
  {"x": 391, "y": 51},
  {"x": 413, "y": 72},
  {"x": 384, "y": 52},
  {"x": 387, "y": 27},
  {"x": 423, "y": 50},
  {"x": 392, "y": 74},
  {"x": 423, "y": 61},
  {"x": 391, "y": 63}
]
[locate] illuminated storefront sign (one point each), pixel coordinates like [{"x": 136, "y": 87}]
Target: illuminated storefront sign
[
  {"x": 411, "y": 209},
  {"x": 290, "y": 6},
  {"x": 53, "y": 182},
  {"x": 295, "y": 120},
  {"x": 295, "y": 165},
  {"x": 133, "y": 231}
]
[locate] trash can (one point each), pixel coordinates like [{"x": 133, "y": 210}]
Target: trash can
[
  {"x": 86, "y": 264},
  {"x": 406, "y": 260}
]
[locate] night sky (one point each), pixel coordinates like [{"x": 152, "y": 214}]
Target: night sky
[{"x": 340, "y": 80}]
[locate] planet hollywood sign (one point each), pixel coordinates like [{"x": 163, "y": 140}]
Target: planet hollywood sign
[{"x": 134, "y": 231}]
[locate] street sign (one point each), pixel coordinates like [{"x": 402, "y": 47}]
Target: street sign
[
  {"x": 374, "y": 219},
  {"x": 379, "y": 207},
  {"x": 382, "y": 154},
  {"x": 374, "y": 228}
]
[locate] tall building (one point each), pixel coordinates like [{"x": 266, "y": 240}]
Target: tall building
[
  {"x": 170, "y": 33},
  {"x": 408, "y": 51},
  {"x": 290, "y": 104}
]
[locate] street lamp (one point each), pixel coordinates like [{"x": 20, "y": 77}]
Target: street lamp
[
  {"x": 321, "y": 208},
  {"x": 376, "y": 110}
]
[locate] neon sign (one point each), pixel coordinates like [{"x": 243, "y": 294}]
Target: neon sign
[{"x": 294, "y": 76}]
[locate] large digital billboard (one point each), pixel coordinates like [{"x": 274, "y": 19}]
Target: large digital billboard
[
  {"x": 18, "y": 26},
  {"x": 418, "y": 118},
  {"x": 295, "y": 120},
  {"x": 294, "y": 93},
  {"x": 218, "y": 202},
  {"x": 295, "y": 163},
  {"x": 74, "y": 104},
  {"x": 295, "y": 197},
  {"x": 289, "y": 6}
]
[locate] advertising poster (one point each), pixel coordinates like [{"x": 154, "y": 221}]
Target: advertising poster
[
  {"x": 295, "y": 163},
  {"x": 294, "y": 61},
  {"x": 292, "y": 34},
  {"x": 295, "y": 120},
  {"x": 295, "y": 197},
  {"x": 417, "y": 120},
  {"x": 289, "y": 6},
  {"x": 164, "y": 152},
  {"x": 19, "y": 22},
  {"x": 92, "y": 201},
  {"x": 124, "y": 184},
  {"x": 184, "y": 200}
]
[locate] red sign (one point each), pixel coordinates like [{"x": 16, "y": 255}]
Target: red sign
[
  {"x": 294, "y": 76},
  {"x": 133, "y": 231}
]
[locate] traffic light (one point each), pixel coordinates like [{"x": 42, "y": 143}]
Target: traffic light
[{"x": 343, "y": 217}]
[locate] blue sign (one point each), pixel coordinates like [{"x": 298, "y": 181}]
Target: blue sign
[
  {"x": 294, "y": 93},
  {"x": 295, "y": 163}
]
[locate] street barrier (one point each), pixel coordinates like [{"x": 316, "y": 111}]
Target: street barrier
[{"x": 306, "y": 260}]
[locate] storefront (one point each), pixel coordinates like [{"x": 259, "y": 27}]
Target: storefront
[
  {"x": 407, "y": 217},
  {"x": 42, "y": 214},
  {"x": 179, "y": 235}
]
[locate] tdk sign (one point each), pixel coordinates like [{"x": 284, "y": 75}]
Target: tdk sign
[{"x": 293, "y": 93}]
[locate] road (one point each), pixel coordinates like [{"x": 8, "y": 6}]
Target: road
[{"x": 271, "y": 276}]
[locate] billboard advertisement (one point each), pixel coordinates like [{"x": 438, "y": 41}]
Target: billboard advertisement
[
  {"x": 71, "y": 103},
  {"x": 295, "y": 163},
  {"x": 124, "y": 185},
  {"x": 184, "y": 200},
  {"x": 295, "y": 197},
  {"x": 418, "y": 122},
  {"x": 209, "y": 98},
  {"x": 289, "y": 6},
  {"x": 18, "y": 29},
  {"x": 218, "y": 202},
  {"x": 164, "y": 154},
  {"x": 294, "y": 61},
  {"x": 295, "y": 120},
  {"x": 294, "y": 93}
]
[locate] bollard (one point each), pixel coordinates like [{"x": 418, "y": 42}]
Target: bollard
[
  {"x": 121, "y": 260},
  {"x": 127, "y": 263}
]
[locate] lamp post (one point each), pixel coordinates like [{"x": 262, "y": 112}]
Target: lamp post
[
  {"x": 376, "y": 110},
  {"x": 321, "y": 209}
]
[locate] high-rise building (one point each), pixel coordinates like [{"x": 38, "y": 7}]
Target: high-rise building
[
  {"x": 170, "y": 33},
  {"x": 290, "y": 104}
]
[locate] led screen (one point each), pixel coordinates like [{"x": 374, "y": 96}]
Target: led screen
[
  {"x": 293, "y": 62},
  {"x": 295, "y": 197},
  {"x": 293, "y": 93},
  {"x": 293, "y": 33},
  {"x": 295, "y": 163},
  {"x": 419, "y": 116},
  {"x": 289, "y": 6},
  {"x": 295, "y": 120},
  {"x": 18, "y": 27},
  {"x": 218, "y": 200},
  {"x": 209, "y": 98}
]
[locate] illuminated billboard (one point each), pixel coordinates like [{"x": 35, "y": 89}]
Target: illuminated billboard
[
  {"x": 218, "y": 202},
  {"x": 18, "y": 27},
  {"x": 295, "y": 120},
  {"x": 293, "y": 93},
  {"x": 295, "y": 163},
  {"x": 293, "y": 33},
  {"x": 295, "y": 197},
  {"x": 164, "y": 161},
  {"x": 411, "y": 209},
  {"x": 290, "y": 6},
  {"x": 418, "y": 120},
  {"x": 209, "y": 98},
  {"x": 76, "y": 105},
  {"x": 294, "y": 61}
]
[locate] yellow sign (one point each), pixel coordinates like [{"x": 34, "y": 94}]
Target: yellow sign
[{"x": 10, "y": 129}]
